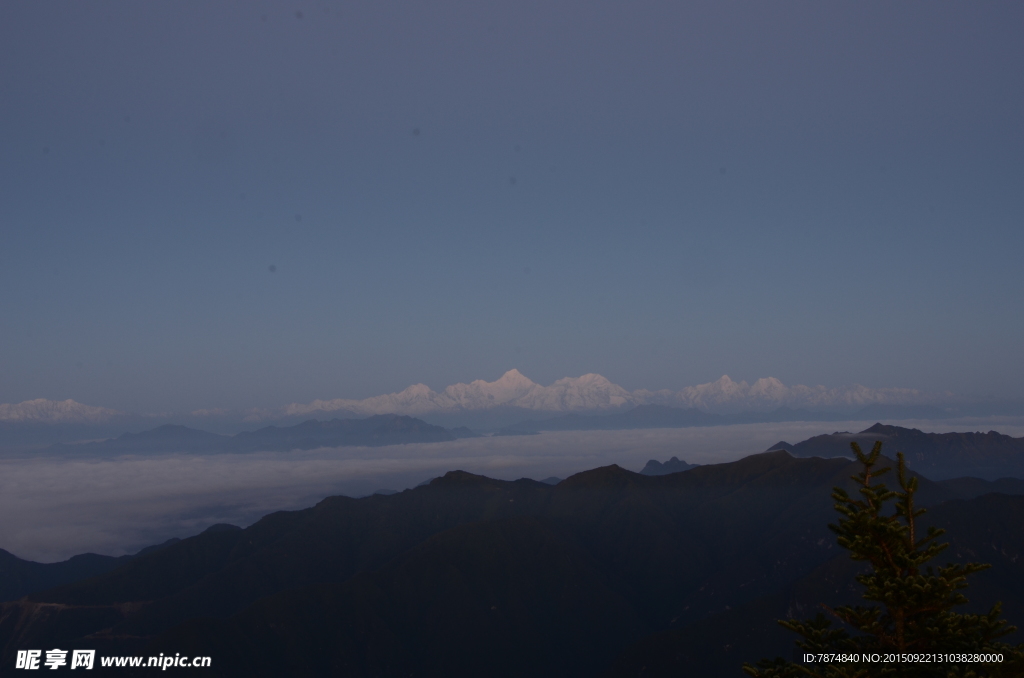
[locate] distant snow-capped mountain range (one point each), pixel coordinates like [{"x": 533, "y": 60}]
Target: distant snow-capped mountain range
[
  {"x": 593, "y": 392},
  {"x": 589, "y": 393}
]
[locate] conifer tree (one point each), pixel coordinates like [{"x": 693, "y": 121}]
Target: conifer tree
[{"x": 912, "y": 612}]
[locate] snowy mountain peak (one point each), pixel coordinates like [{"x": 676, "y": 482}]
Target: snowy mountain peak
[
  {"x": 589, "y": 392},
  {"x": 593, "y": 392},
  {"x": 481, "y": 394},
  {"x": 513, "y": 376}
]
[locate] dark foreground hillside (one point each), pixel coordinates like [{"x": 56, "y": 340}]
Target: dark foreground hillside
[{"x": 609, "y": 571}]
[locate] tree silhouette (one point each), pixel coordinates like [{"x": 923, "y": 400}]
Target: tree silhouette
[{"x": 912, "y": 623}]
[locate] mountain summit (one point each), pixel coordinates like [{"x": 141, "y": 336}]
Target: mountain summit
[
  {"x": 593, "y": 392},
  {"x": 513, "y": 389}
]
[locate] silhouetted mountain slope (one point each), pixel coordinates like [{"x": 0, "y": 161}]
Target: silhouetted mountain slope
[
  {"x": 219, "y": 573},
  {"x": 649, "y": 538},
  {"x": 983, "y": 529},
  {"x": 936, "y": 455},
  {"x": 391, "y": 585},
  {"x": 481, "y": 599},
  {"x": 716, "y": 647},
  {"x": 988, "y": 529},
  {"x": 968, "y": 488},
  {"x": 154, "y": 575},
  {"x": 22, "y": 577}
]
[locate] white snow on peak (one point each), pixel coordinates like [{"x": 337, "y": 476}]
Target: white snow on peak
[
  {"x": 512, "y": 389},
  {"x": 479, "y": 394},
  {"x": 592, "y": 392},
  {"x": 589, "y": 392},
  {"x": 43, "y": 411},
  {"x": 416, "y": 399}
]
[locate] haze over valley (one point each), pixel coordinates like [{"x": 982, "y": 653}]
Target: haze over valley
[{"x": 55, "y": 506}]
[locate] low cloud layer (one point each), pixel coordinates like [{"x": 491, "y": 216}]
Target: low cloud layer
[{"x": 51, "y": 509}]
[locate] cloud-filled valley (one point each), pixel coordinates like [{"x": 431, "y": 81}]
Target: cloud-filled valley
[{"x": 55, "y": 507}]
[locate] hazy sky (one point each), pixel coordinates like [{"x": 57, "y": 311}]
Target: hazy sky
[{"x": 213, "y": 204}]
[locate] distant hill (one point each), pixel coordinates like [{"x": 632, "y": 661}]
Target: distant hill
[
  {"x": 938, "y": 456},
  {"x": 166, "y": 438},
  {"x": 968, "y": 488},
  {"x": 170, "y": 437},
  {"x": 19, "y": 438},
  {"x": 470, "y": 576},
  {"x": 673, "y": 465},
  {"x": 384, "y": 429},
  {"x": 20, "y": 577}
]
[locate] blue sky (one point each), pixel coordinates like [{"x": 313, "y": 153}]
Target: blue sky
[{"x": 248, "y": 204}]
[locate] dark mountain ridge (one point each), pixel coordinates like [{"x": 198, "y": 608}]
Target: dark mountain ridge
[
  {"x": 938, "y": 456},
  {"x": 20, "y": 577},
  {"x": 468, "y": 575}
]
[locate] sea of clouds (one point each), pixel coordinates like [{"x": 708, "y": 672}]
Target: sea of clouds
[{"x": 52, "y": 508}]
